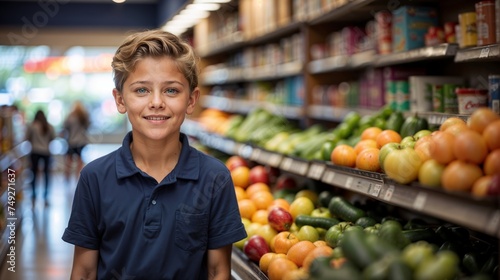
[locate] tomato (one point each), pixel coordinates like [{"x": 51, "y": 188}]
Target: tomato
[
  {"x": 481, "y": 118},
  {"x": 492, "y": 163},
  {"x": 442, "y": 147},
  {"x": 402, "y": 165},
  {"x": 386, "y": 149},
  {"x": 423, "y": 147},
  {"x": 480, "y": 187},
  {"x": 344, "y": 155},
  {"x": 430, "y": 173},
  {"x": 460, "y": 175},
  {"x": 451, "y": 122},
  {"x": 491, "y": 134},
  {"x": 335, "y": 233}
]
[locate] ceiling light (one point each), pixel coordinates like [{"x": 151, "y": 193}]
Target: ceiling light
[
  {"x": 211, "y": 1},
  {"x": 119, "y": 1},
  {"x": 193, "y": 14},
  {"x": 203, "y": 7}
]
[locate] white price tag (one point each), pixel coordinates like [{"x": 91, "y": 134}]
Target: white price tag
[
  {"x": 388, "y": 193},
  {"x": 484, "y": 53},
  {"x": 375, "y": 189},
  {"x": 420, "y": 200},
  {"x": 316, "y": 170},
  {"x": 348, "y": 182},
  {"x": 275, "y": 160},
  {"x": 255, "y": 154},
  {"x": 328, "y": 177},
  {"x": 286, "y": 164}
]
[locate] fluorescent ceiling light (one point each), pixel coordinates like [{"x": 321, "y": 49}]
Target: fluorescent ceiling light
[
  {"x": 119, "y": 1},
  {"x": 203, "y": 7},
  {"x": 193, "y": 14},
  {"x": 211, "y": 1}
]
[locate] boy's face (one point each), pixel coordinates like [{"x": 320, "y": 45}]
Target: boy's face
[{"x": 156, "y": 97}]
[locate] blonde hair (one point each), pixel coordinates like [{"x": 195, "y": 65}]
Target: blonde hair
[{"x": 154, "y": 43}]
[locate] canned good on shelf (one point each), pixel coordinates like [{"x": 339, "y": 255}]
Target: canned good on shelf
[
  {"x": 469, "y": 99},
  {"x": 468, "y": 29},
  {"x": 494, "y": 92}
]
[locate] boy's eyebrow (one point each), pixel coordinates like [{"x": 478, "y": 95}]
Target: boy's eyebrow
[{"x": 165, "y": 82}]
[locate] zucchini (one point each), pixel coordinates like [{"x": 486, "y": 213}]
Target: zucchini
[
  {"x": 317, "y": 222},
  {"x": 343, "y": 209}
]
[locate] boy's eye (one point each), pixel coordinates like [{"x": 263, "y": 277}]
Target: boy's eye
[
  {"x": 142, "y": 91},
  {"x": 171, "y": 91}
]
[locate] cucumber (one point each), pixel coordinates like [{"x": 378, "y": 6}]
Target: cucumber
[
  {"x": 343, "y": 209},
  {"x": 317, "y": 222},
  {"x": 356, "y": 249},
  {"x": 365, "y": 222},
  {"x": 418, "y": 234}
]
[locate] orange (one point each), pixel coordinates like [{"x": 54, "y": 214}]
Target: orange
[
  {"x": 284, "y": 241},
  {"x": 260, "y": 216},
  {"x": 278, "y": 267},
  {"x": 280, "y": 202},
  {"x": 371, "y": 133},
  {"x": 491, "y": 164},
  {"x": 314, "y": 253},
  {"x": 457, "y": 129},
  {"x": 240, "y": 193},
  {"x": 387, "y": 136},
  {"x": 363, "y": 144},
  {"x": 247, "y": 208},
  {"x": 368, "y": 160},
  {"x": 298, "y": 252},
  {"x": 451, "y": 122},
  {"x": 318, "y": 243},
  {"x": 460, "y": 176},
  {"x": 441, "y": 148},
  {"x": 481, "y": 118},
  {"x": 297, "y": 274},
  {"x": 470, "y": 146},
  {"x": 241, "y": 176},
  {"x": 257, "y": 187},
  {"x": 491, "y": 134},
  {"x": 262, "y": 199},
  {"x": 266, "y": 259},
  {"x": 344, "y": 155}
]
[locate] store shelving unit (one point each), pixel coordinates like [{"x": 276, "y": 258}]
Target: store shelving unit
[{"x": 481, "y": 215}]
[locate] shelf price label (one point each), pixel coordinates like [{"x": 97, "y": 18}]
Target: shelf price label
[
  {"x": 348, "y": 182},
  {"x": 329, "y": 177},
  {"x": 484, "y": 53},
  {"x": 245, "y": 150},
  {"x": 286, "y": 164},
  {"x": 388, "y": 193},
  {"x": 316, "y": 170},
  {"x": 295, "y": 166},
  {"x": 255, "y": 154},
  {"x": 419, "y": 202},
  {"x": 375, "y": 189}
]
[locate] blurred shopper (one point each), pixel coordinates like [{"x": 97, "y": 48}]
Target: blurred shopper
[
  {"x": 156, "y": 208},
  {"x": 40, "y": 133},
  {"x": 75, "y": 131}
]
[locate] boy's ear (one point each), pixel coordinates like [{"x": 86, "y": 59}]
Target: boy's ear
[
  {"x": 193, "y": 98},
  {"x": 120, "y": 103}
]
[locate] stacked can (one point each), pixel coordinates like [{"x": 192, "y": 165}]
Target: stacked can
[
  {"x": 402, "y": 95},
  {"x": 450, "y": 100},
  {"x": 437, "y": 98},
  {"x": 494, "y": 93},
  {"x": 485, "y": 22}
]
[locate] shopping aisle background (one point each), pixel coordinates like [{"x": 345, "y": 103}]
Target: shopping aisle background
[{"x": 41, "y": 254}]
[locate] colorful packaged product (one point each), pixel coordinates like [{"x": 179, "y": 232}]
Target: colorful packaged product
[{"x": 409, "y": 26}]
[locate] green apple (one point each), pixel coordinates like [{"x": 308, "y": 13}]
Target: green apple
[
  {"x": 308, "y": 233},
  {"x": 312, "y": 195},
  {"x": 408, "y": 141},
  {"x": 241, "y": 243},
  {"x": 321, "y": 212},
  {"x": 301, "y": 206},
  {"x": 266, "y": 231},
  {"x": 252, "y": 229},
  {"x": 294, "y": 229},
  {"x": 421, "y": 134},
  {"x": 386, "y": 149}
]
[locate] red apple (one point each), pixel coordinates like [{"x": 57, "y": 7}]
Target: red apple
[
  {"x": 280, "y": 219},
  {"x": 235, "y": 161},
  {"x": 494, "y": 186},
  {"x": 285, "y": 182},
  {"x": 255, "y": 247},
  {"x": 259, "y": 174}
]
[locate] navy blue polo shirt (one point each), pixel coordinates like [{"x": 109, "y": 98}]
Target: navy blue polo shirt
[{"x": 146, "y": 230}]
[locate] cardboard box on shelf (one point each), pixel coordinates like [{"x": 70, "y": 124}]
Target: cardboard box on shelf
[{"x": 409, "y": 25}]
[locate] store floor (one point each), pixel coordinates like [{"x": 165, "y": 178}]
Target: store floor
[{"x": 40, "y": 252}]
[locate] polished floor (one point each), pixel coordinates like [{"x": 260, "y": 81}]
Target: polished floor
[{"x": 40, "y": 252}]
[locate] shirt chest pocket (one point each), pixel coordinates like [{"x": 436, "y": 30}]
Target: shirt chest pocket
[{"x": 191, "y": 231}]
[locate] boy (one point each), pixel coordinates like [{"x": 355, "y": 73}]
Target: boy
[{"x": 156, "y": 208}]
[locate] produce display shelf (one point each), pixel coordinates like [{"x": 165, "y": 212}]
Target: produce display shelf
[
  {"x": 242, "y": 106},
  {"x": 437, "y": 118},
  {"x": 336, "y": 114},
  {"x": 243, "y": 268},
  {"x": 480, "y": 214},
  {"x": 476, "y": 54}
]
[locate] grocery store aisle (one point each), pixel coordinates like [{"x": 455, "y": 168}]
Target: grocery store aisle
[{"x": 40, "y": 252}]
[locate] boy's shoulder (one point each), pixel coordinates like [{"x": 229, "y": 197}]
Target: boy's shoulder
[{"x": 209, "y": 160}]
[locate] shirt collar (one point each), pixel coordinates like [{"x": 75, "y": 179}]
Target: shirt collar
[{"x": 188, "y": 166}]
